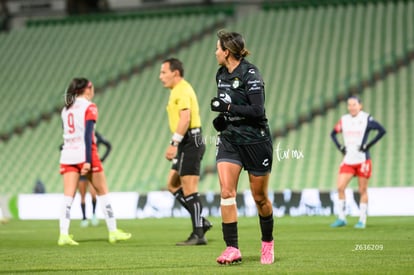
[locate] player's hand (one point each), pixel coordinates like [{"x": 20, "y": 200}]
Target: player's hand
[
  {"x": 86, "y": 168},
  {"x": 220, "y": 123},
  {"x": 363, "y": 148},
  {"x": 342, "y": 148},
  {"x": 218, "y": 105},
  {"x": 171, "y": 152}
]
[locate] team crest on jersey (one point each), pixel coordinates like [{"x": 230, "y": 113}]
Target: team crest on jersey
[{"x": 236, "y": 83}]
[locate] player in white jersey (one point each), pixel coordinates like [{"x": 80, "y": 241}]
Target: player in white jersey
[
  {"x": 355, "y": 127},
  {"x": 79, "y": 156}
]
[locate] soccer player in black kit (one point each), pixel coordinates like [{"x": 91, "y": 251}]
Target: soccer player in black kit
[{"x": 244, "y": 142}]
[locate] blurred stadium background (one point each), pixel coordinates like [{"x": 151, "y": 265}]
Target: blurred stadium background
[{"x": 312, "y": 55}]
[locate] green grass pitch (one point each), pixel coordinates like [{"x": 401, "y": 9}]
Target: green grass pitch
[{"x": 303, "y": 245}]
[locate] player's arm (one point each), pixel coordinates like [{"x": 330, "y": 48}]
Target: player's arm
[
  {"x": 182, "y": 127},
  {"x": 108, "y": 147},
  {"x": 254, "y": 110},
  {"x": 372, "y": 125},
  {"x": 91, "y": 116},
  {"x": 334, "y": 138},
  {"x": 255, "y": 95},
  {"x": 89, "y": 126}
]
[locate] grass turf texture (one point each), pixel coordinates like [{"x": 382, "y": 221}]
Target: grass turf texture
[{"x": 302, "y": 245}]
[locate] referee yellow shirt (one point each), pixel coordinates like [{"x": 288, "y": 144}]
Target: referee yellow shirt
[{"x": 182, "y": 97}]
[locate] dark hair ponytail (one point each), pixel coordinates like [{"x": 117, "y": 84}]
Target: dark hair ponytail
[
  {"x": 234, "y": 42},
  {"x": 76, "y": 87}
]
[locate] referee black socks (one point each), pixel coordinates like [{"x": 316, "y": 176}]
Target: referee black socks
[
  {"x": 179, "y": 196},
  {"x": 195, "y": 208}
]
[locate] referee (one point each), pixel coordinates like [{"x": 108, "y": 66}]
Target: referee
[{"x": 186, "y": 148}]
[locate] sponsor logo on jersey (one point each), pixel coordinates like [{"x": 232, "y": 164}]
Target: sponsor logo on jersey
[
  {"x": 253, "y": 82},
  {"x": 222, "y": 84}
]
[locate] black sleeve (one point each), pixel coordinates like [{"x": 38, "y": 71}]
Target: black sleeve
[
  {"x": 88, "y": 139},
  {"x": 108, "y": 147},
  {"x": 335, "y": 139},
  {"x": 254, "y": 110},
  {"x": 374, "y": 125}
]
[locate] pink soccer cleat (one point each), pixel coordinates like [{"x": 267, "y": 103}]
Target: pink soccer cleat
[
  {"x": 230, "y": 256},
  {"x": 268, "y": 254}
]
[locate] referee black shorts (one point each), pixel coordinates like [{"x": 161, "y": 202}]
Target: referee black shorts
[
  {"x": 190, "y": 153},
  {"x": 255, "y": 158}
]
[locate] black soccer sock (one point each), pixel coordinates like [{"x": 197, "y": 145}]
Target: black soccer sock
[
  {"x": 83, "y": 211},
  {"x": 179, "y": 196},
  {"x": 266, "y": 226},
  {"x": 195, "y": 207},
  {"x": 93, "y": 206},
  {"x": 230, "y": 235}
]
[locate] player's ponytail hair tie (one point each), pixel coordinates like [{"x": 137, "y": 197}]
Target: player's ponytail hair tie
[
  {"x": 89, "y": 85},
  {"x": 244, "y": 53}
]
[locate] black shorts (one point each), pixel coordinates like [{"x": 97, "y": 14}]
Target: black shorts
[
  {"x": 190, "y": 153},
  {"x": 256, "y": 158}
]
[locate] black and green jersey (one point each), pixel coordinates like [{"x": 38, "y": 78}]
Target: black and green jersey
[{"x": 244, "y": 90}]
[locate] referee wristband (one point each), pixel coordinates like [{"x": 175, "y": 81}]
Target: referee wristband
[{"x": 177, "y": 137}]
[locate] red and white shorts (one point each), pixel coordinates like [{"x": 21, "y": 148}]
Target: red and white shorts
[
  {"x": 96, "y": 165},
  {"x": 360, "y": 170}
]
